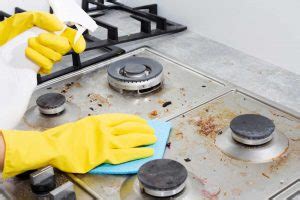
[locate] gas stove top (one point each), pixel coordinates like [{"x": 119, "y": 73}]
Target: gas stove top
[
  {"x": 163, "y": 90},
  {"x": 210, "y": 153}
]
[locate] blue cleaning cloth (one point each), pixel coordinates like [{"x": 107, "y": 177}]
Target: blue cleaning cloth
[{"x": 162, "y": 131}]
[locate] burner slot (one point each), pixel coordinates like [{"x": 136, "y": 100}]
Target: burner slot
[{"x": 149, "y": 90}]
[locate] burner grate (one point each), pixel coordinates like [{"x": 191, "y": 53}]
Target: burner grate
[{"x": 163, "y": 26}]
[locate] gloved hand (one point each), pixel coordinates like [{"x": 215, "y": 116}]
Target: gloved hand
[
  {"x": 17, "y": 73},
  {"x": 47, "y": 48},
  {"x": 79, "y": 146}
]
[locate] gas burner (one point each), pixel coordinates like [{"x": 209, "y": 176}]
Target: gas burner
[
  {"x": 162, "y": 178},
  {"x": 135, "y": 74},
  {"x": 51, "y": 110},
  {"x": 252, "y": 138},
  {"x": 252, "y": 129},
  {"x": 51, "y": 103}
]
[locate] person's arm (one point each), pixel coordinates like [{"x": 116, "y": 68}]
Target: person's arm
[{"x": 2, "y": 151}]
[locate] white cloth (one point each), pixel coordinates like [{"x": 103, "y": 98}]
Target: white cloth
[{"x": 17, "y": 79}]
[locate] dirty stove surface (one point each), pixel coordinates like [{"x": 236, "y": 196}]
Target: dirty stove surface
[
  {"x": 183, "y": 87},
  {"x": 198, "y": 138},
  {"x": 200, "y": 109}
]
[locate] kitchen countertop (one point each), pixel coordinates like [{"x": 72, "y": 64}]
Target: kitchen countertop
[{"x": 231, "y": 65}]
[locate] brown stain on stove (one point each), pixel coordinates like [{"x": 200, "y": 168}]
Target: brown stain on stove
[
  {"x": 178, "y": 135},
  {"x": 65, "y": 89},
  {"x": 161, "y": 101},
  {"x": 280, "y": 115},
  {"x": 209, "y": 123},
  {"x": 209, "y": 195},
  {"x": 153, "y": 114},
  {"x": 243, "y": 174},
  {"x": 69, "y": 98},
  {"x": 205, "y": 193},
  {"x": 277, "y": 164},
  {"x": 236, "y": 191},
  {"x": 207, "y": 127},
  {"x": 265, "y": 175},
  {"x": 182, "y": 92},
  {"x": 93, "y": 97}
]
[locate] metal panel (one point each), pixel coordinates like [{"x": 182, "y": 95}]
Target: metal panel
[
  {"x": 90, "y": 91},
  {"x": 194, "y": 133}
]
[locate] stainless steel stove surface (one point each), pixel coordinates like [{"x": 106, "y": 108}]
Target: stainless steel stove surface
[
  {"x": 200, "y": 109},
  {"x": 196, "y": 137},
  {"x": 182, "y": 89}
]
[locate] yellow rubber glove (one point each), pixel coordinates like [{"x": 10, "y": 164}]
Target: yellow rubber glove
[
  {"x": 47, "y": 48},
  {"x": 79, "y": 146},
  {"x": 18, "y": 23}
]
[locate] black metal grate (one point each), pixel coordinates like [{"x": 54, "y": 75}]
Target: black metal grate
[
  {"x": 144, "y": 14},
  {"x": 163, "y": 26}
]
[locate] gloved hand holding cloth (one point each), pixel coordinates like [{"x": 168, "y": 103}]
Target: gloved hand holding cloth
[{"x": 79, "y": 146}]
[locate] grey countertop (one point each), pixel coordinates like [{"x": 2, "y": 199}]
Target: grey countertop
[{"x": 223, "y": 62}]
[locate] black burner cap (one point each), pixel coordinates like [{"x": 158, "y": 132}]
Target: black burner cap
[
  {"x": 51, "y": 100},
  {"x": 251, "y": 126},
  {"x": 134, "y": 68},
  {"x": 134, "y": 65},
  {"x": 162, "y": 174}
]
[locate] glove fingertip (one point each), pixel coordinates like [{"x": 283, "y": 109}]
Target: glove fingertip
[
  {"x": 149, "y": 152},
  {"x": 80, "y": 45},
  {"x": 44, "y": 63}
]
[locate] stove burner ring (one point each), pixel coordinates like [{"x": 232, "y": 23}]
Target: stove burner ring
[
  {"x": 162, "y": 177},
  {"x": 251, "y": 129},
  {"x": 139, "y": 74},
  {"x": 51, "y": 103},
  {"x": 252, "y": 153}
]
